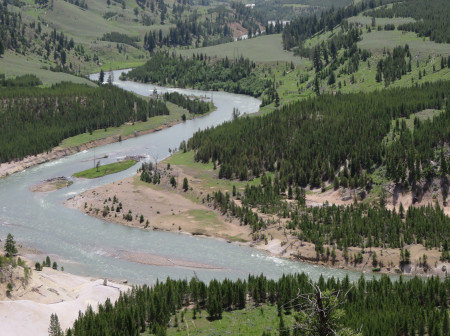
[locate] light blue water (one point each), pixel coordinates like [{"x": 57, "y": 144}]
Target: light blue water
[{"x": 89, "y": 246}]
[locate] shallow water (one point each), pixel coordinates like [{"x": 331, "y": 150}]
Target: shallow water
[{"x": 89, "y": 246}]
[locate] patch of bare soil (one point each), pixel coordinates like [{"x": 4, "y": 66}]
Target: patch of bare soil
[
  {"x": 35, "y": 296},
  {"x": 174, "y": 210},
  {"x": 339, "y": 197},
  {"x": 52, "y": 184},
  {"x": 159, "y": 207},
  {"x": 238, "y": 30},
  {"x": 426, "y": 193},
  {"x": 387, "y": 260}
]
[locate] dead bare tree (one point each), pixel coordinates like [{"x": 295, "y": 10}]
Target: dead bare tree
[{"x": 321, "y": 313}]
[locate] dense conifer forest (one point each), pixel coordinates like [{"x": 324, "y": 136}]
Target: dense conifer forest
[
  {"x": 332, "y": 137},
  {"x": 194, "y": 106},
  {"x": 34, "y": 120},
  {"x": 228, "y": 75},
  {"x": 200, "y": 72},
  {"x": 19, "y": 81},
  {"x": 376, "y": 307},
  {"x": 368, "y": 226},
  {"x": 394, "y": 65}
]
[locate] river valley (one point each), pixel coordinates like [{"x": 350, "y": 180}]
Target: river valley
[{"x": 92, "y": 247}]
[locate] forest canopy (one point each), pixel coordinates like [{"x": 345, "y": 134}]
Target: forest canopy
[
  {"x": 377, "y": 307},
  {"x": 332, "y": 136}
]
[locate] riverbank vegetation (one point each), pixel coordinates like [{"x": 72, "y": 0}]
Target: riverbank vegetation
[
  {"x": 345, "y": 135},
  {"x": 49, "y": 115},
  {"x": 201, "y": 72},
  {"x": 193, "y": 105},
  {"x": 126, "y": 130},
  {"x": 14, "y": 273},
  {"x": 413, "y": 306},
  {"x": 102, "y": 170}
]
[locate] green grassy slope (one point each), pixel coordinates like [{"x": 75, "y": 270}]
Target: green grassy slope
[
  {"x": 375, "y": 41},
  {"x": 13, "y": 64},
  {"x": 249, "y": 321},
  {"x": 267, "y": 48}
]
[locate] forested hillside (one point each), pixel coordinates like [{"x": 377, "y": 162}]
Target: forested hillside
[
  {"x": 34, "y": 120},
  {"x": 25, "y": 37},
  {"x": 377, "y": 307},
  {"x": 302, "y": 28},
  {"x": 331, "y": 137}
]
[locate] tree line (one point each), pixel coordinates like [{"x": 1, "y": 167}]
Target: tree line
[
  {"x": 34, "y": 120},
  {"x": 194, "y": 106},
  {"x": 377, "y": 307},
  {"x": 19, "y": 81},
  {"x": 194, "y": 29},
  {"x": 283, "y": 10},
  {"x": 367, "y": 226},
  {"x": 360, "y": 225},
  {"x": 201, "y": 72},
  {"x": 432, "y": 17},
  {"x": 121, "y": 38}
]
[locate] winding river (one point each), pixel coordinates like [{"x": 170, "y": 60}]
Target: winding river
[{"x": 89, "y": 246}]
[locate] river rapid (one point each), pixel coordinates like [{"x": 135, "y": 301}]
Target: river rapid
[{"x": 88, "y": 246}]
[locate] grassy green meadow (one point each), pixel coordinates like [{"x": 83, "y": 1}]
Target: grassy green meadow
[
  {"x": 249, "y": 321},
  {"x": 262, "y": 49},
  {"x": 13, "y": 64},
  {"x": 107, "y": 169}
]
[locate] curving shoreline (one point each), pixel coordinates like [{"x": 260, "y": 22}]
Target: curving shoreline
[
  {"x": 174, "y": 211},
  {"x": 13, "y": 167}
]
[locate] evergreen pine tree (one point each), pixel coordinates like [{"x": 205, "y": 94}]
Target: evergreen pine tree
[
  {"x": 55, "y": 328},
  {"x": 10, "y": 245}
]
